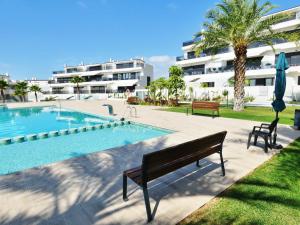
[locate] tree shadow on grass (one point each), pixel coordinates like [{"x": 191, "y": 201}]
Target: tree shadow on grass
[{"x": 274, "y": 184}]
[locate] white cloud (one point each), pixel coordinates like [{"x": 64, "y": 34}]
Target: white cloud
[
  {"x": 161, "y": 64},
  {"x": 82, "y": 4}
]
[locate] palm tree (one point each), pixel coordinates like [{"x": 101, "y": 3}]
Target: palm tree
[
  {"x": 77, "y": 80},
  {"x": 152, "y": 91},
  {"x": 3, "y": 87},
  {"x": 21, "y": 89},
  {"x": 238, "y": 24},
  {"x": 176, "y": 83},
  {"x": 36, "y": 89},
  {"x": 161, "y": 84}
]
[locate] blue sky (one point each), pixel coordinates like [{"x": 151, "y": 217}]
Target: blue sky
[{"x": 39, "y": 36}]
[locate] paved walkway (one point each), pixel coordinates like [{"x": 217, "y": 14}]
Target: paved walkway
[{"x": 88, "y": 190}]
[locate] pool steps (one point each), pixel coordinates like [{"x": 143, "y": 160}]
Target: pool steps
[{"x": 43, "y": 135}]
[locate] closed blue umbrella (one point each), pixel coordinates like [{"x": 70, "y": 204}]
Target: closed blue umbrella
[{"x": 280, "y": 85}]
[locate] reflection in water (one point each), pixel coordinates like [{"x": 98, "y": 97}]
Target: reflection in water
[{"x": 23, "y": 121}]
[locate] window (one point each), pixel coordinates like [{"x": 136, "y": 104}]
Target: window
[
  {"x": 293, "y": 58},
  {"x": 208, "y": 84},
  {"x": 115, "y": 77},
  {"x": 125, "y": 65},
  {"x": 262, "y": 82},
  {"x": 95, "y": 68},
  {"x": 64, "y": 80},
  {"x": 193, "y": 70},
  {"x": 148, "y": 80},
  {"x": 191, "y": 55},
  {"x": 97, "y": 89},
  {"x": 299, "y": 80}
]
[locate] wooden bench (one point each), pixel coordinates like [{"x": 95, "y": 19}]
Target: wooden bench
[
  {"x": 160, "y": 163},
  {"x": 214, "y": 106},
  {"x": 133, "y": 100}
]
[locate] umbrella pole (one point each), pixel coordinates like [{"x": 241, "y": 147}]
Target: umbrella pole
[
  {"x": 275, "y": 131},
  {"x": 274, "y": 144}
]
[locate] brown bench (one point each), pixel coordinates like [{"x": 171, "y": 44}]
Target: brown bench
[
  {"x": 133, "y": 100},
  {"x": 214, "y": 106},
  {"x": 160, "y": 163}
]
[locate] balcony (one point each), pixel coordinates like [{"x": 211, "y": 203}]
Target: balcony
[
  {"x": 194, "y": 72},
  {"x": 180, "y": 58},
  {"x": 190, "y": 42},
  {"x": 58, "y": 72}
]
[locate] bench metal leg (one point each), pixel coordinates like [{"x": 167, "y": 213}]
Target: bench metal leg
[
  {"x": 255, "y": 139},
  {"x": 198, "y": 163},
  {"x": 266, "y": 143},
  {"x": 125, "y": 198},
  {"x": 249, "y": 140},
  {"x": 147, "y": 203},
  {"x": 222, "y": 164}
]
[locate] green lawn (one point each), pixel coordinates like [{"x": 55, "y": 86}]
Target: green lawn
[
  {"x": 269, "y": 195},
  {"x": 263, "y": 114}
]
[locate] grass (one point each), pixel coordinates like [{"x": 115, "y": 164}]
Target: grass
[
  {"x": 269, "y": 195},
  {"x": 263, "y": 114}
]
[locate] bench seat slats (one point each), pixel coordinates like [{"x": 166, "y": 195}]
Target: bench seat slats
[
  {"x": 160, "y": 163},
  {"x": 214, "y": 106}
]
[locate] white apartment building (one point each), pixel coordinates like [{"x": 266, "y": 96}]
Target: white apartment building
[
  {"x": 101, "y": 79},
  {"x": 216, "y": 70}
]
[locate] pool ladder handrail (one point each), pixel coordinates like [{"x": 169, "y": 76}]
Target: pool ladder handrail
[{"x": 131, "y": 109}]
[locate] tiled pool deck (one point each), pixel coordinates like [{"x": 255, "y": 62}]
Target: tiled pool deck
[{"x": 88, "y": 190}]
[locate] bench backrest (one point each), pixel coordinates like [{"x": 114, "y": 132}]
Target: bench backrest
[
  {"x": 132, "y": 100},
  {"x": 159, "y": 163},
  {"x": 205, "y": 105}
]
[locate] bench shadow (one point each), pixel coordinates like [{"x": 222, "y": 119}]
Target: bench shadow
[
  {"x": 179, "y": 183},
  {"x": 204, "y": 114}
]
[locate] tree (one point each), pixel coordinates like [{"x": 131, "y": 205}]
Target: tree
[
  {"x": 176, "y": 83},
  {"x": 240, "y": 23},
  {"x": 225, "y": 93},
  {"x": 77, "y": 80},
  {"x": 36, "y": 89},
  {"x": 21, "y": 89},
  {"x": 191, "y": 92},
  {"x": 161, "y": 84},
  {"x": 152, "y": 90},
  {"x": 3, "y": 87}
]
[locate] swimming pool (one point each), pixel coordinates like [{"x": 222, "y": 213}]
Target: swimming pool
[
  {"x": 19, "y": 156},
  {"x": 25, "y": 121}
]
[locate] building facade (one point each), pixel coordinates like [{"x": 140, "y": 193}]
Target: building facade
[
  {"x": 215, "y": 71},
  {"x": 101, "y": 79}
]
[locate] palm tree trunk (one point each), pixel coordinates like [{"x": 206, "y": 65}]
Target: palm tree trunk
[
  {"x": 78, "y": 92},
  {"x": 3, "y": 96},
  {"x": 36, "y": 99},
  {"x": 239, "y": 77}
]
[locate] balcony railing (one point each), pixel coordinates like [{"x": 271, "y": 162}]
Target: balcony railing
[
  {"x": 58, "y": 72},
  {"x": 190, "y": 42},
  {"x": 193, "y": 72}
]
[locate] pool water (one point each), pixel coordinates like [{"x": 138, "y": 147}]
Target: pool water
[
  {"x": 24, "y": 121},
  {"x": 19, "y": 156}
]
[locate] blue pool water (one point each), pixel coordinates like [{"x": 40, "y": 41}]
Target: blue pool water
[
  {"x": 24, "y": 121},
  {"x": 19, "y": 156}
]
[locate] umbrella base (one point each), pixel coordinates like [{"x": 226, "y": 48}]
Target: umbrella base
[{"x": 276, "y": 146}]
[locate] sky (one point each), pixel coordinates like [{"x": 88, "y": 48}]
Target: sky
[{"x": 40, "y": 36}]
